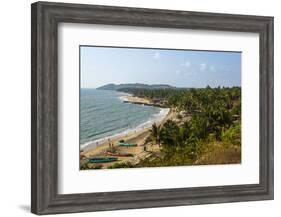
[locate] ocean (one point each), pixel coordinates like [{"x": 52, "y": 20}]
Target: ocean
[{"x": 103, "y": 115}]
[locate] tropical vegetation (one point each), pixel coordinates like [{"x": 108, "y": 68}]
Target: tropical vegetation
[{"x": 212, "y": 134}]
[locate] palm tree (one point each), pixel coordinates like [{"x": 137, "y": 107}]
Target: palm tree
[{"x": 155, "y": 134}]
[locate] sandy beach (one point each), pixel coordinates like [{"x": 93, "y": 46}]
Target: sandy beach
[
  {"x": 134, "y": 99},
  {"x": 137, "y": 137}
]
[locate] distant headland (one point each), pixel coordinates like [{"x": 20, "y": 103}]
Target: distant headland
[{"x": 112, "y": 86}]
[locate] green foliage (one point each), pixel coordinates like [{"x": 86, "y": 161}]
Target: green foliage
[
  {"x": 215, "y": 119},
  {"x": 97, "y": 166},
  {"x": 121, "y": 165},
  {"x": 155, "y": 134},
  {"x": 84, "y": 166},
  {"x": 87, "y": 166},
  {"x": 168, "y": 135},
  {"x": 190, "y": 99},
  {"x": 232, "y": 135}
]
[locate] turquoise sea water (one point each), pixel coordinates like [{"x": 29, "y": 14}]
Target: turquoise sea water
[{"x": 103, "y": 114}]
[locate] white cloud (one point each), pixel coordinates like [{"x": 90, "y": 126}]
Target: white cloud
[
  {"x": 156, "y": 55},
  {"x": 203, "y": 66}
]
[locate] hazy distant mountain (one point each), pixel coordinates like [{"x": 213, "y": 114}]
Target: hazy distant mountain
[{"x": 136, "y": 85}]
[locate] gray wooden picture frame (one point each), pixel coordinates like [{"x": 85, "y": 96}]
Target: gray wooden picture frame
[{"x": 45, "y": 18}]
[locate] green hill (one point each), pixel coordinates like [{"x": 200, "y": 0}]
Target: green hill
[{"x": 134, "y": 86}]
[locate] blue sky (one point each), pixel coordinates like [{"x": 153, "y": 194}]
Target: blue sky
[{"x": 180, "y": 68}]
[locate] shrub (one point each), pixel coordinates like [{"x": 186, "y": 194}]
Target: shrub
[
  {"x": 120, "y": 165},
  {"x": 232, "y": 135},
  {"x": 97, "y": 166}
]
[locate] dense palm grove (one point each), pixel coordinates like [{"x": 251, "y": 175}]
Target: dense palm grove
[{"x": 207, "y": 129}]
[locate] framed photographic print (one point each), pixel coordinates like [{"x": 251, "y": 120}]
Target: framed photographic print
[{"x": 136, "y": 108}]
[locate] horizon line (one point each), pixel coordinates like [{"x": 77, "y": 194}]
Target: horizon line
[{"x": 222, "y": 86}]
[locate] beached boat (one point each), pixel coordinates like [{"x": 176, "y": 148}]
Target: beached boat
[
  {"x": 124, "y": 144},
  {"x": 120, "y": 154},
  {"x": 102, "y": 159}
]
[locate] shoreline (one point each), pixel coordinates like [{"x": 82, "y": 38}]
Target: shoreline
[
  {"x": 136, "y": 136},
  {"x": 135, "y": 100},
  {"x": 137, "y": 152},
  {"x": 129, "y": 98},
  {"x": 141, "y": 101},
  {"x": 126, "y": 134}
]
